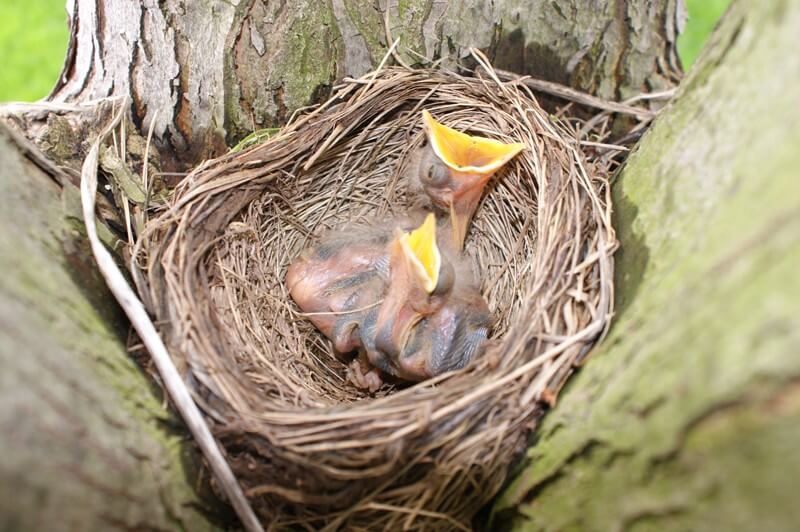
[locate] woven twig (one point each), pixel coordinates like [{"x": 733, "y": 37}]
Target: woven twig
[{"x": 311, "y": 450}]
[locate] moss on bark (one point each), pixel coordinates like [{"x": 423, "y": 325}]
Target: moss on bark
[
  {"x": 687, "y": 416},
  {"x": 86, "y": 443}
]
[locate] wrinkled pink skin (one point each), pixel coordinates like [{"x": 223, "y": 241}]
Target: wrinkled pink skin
[
  {"x": 364, "y": 376},
  {"x": 428, "y": 335},
  {"x": 345, "y": 274},
  {"x": 410, "y": 334},
  {"x": 312, "y": 284}
]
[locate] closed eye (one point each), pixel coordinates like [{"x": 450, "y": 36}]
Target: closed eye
[{"x": 436, "y": 174}]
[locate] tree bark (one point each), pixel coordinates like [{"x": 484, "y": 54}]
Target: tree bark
[
  {"x": 85, "y": 444},
  {"x": 688, "y": 417},
  {"x": 204, "y": 72}
]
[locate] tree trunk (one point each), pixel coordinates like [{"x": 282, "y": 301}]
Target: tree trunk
[
  {"x": 84, "y": 442},
  {"x": 205, "y": 71},
  {"x": 688, "y": 417}
]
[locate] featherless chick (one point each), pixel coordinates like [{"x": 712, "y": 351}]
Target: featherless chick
[
  {"x": 449, "y": 173},
  {"x": 399, "y": 293},
  {"x": 411, "y": 308}
]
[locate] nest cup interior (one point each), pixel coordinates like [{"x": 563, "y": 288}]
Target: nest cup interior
[
  {"x": 360, "y": 180},
  {"x": 308, "y": 447}
]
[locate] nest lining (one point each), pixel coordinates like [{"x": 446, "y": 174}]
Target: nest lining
[{"x": 309, "y": 448}]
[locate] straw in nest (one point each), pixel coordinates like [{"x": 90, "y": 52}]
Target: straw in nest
[{"x": 310, "y": 449}]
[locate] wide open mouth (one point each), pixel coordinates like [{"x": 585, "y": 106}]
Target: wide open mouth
[
  {"x": 465, "y": 153},
  {"x": 420, "y": 247}
]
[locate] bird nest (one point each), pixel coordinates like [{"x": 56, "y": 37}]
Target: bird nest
[{"x": 310, "y": 449}]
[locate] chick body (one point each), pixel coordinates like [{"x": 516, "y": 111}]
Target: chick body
[{"x": 342, "y": 283}]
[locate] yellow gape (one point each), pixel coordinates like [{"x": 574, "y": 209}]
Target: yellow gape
[
  {"x": 420, "y": 247},
  {"x": 465, "y": 153}
]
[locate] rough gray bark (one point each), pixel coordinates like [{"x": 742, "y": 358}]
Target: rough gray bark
[
  {"x": 206, "y": 71},
  {"x": 688, "y": 417},
  {"x": 84, "y": 442}
]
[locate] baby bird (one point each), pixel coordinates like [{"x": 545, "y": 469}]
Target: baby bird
[
  {"x": 450, "y": 172},
  {"x": 433, "y": 318},
  {"x": 333, "y": 280},
  {"x": 409, "y": 307},
  {"x": 400, "y": 294}
]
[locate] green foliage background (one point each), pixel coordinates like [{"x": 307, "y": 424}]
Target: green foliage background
[
  {"x": 33, "y": 40},
  {"x": 703, "y": 16}
]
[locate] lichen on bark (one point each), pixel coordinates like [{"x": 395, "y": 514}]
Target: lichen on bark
[
  {"x": 206, "y": 72},
  {"x": 282, "y": 57}
]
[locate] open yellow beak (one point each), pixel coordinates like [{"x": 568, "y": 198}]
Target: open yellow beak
[
  {"x": 465, "y": 153},
  {"x": 414, "y": 267},
  {"x": 422, "y": 252},
  {"x": 471, "y": 161}
]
